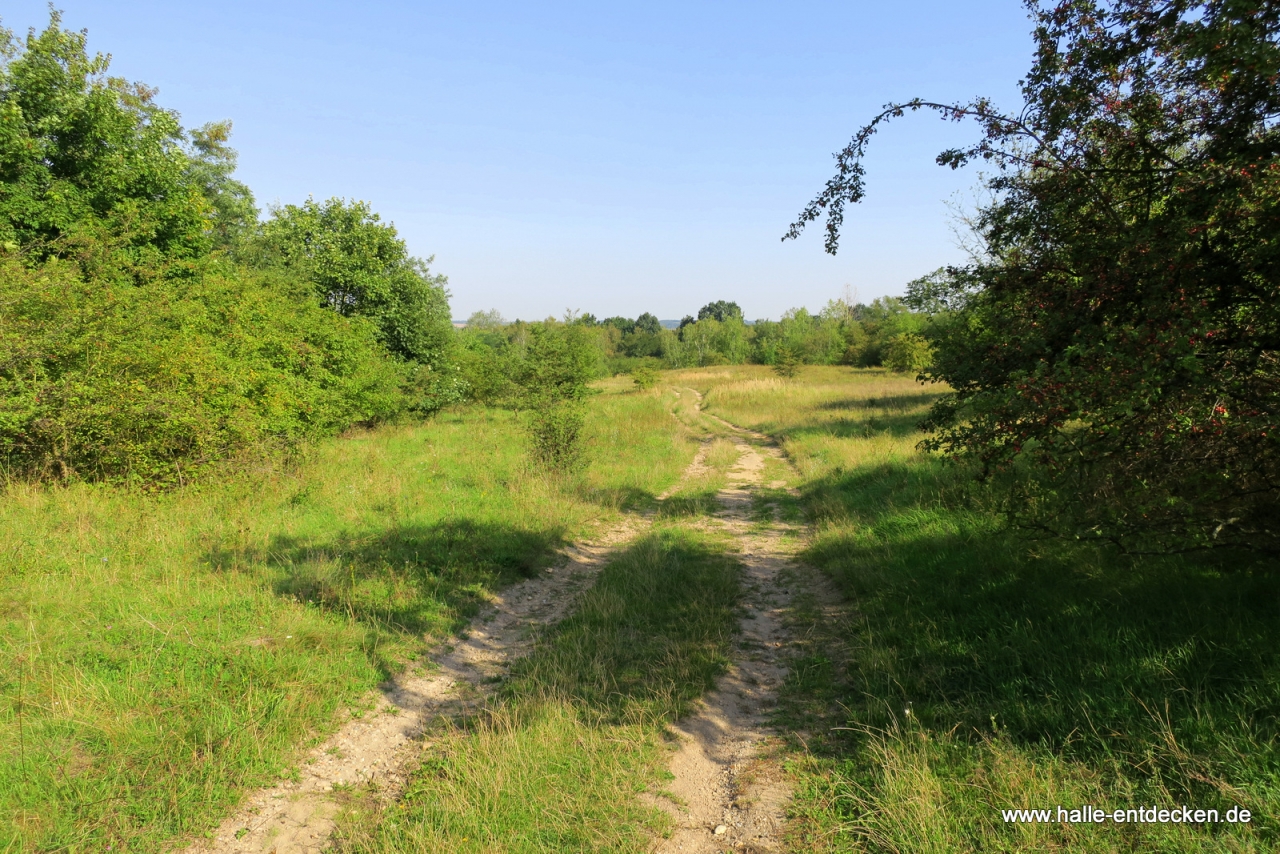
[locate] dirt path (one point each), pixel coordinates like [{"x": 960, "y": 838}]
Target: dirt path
[
  {"x": 298, "y": 817},
  {"x": 729, "y": 791}
]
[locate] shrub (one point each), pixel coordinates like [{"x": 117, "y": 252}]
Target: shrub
[
  {"x": 907, "y": 353},
  {"x": 152, "y": 383},
  {"x": 644, "y": 377},
  {"x": 555, "y": 436},
  {"x": 786, "y": 363}
]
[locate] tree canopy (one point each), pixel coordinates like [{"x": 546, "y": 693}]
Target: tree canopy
[{"x": 1114, "y": 350}]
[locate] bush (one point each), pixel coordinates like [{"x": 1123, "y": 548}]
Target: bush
[
  {"x": 644, "y": 377},
  {"x": 555, "y": 436},
  {"x": 907, "y": 353},
  {"x": 786, "y": 363},
  {"x": 152, "y": 383}
]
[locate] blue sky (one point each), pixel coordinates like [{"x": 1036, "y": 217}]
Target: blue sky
[{"x": 606, "y": 157}]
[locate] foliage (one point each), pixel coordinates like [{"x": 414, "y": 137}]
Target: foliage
[
  {"x": 232, "y": 212},
  {"x": 149, "y": 384},
  {"x": 359, "y": 266},
  {"x": 786, "y": 363},
  {"x": 88, "y": 156},
  {"x": 552, "y": 376},
  {"x": 135, "y": 345},
  {"x": 720, "y": 310},
  {"x": 908, "y": 352},
  {"x": 1118, "y": 347},
  {"x": 644, "y": 377},
  {"x": 648, "y": 324}
]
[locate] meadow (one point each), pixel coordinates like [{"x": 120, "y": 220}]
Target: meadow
[
  {"x": 974, "y": 667},
  {"x": 162, "y": 654}
]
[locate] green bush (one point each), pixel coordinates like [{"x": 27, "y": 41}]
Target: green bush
[
  {"x": 644, "y": 377},
  {"x": 907, "y": 353},
  {"x": 555, "y": 435},
  {"x": 152, "y": 383}
]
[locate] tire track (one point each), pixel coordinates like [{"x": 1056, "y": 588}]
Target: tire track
[{"x": 730, "y": 791}]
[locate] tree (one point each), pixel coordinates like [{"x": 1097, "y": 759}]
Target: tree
[
  {"x": 88, "y": 157},
  {"x": 359, "y": 266},
  {"x": 648, "y": 323},
  {"x": 908, "y": 352},
  {"x": 553, "y": 377},
  {"x": 1119, "y": 339},
  {"x": 624, "y": 325},
  {"x": 233, "y": 212},
  {"x": 720, "y": 310}
]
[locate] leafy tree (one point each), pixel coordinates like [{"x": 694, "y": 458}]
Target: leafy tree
[
  {"x": 645, "y": 377},
  {"x": 649, "y": 324},
  {"x": 359, "y": 266},
  {"x": 719, "y": 310},
  {"x": 488, "y": 321},
  {"x": 786, "y": 364},
  {"x": 624, "y": 325},
  {"x": 553, "y": 375},
  {"x": 908, "y": 352},
  {"x": 234, "y": 216},
  {"x": 85, "y": 156},
  {"x": 1120, "y": 338}
]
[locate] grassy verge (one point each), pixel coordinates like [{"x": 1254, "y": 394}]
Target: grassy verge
[
  {"x": 161, "y": 655},
  {"x": 972, "y": 669},
  {"x": 558, "y": 762}
]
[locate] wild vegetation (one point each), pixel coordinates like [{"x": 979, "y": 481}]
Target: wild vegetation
[
  {"x": 1114, "y": 346},
  {"x": 972, "y": 668},
  {"x": 162, "y": 655},
  {"x": 250, "y": 471},
  {"x": 150, "y": 326}
]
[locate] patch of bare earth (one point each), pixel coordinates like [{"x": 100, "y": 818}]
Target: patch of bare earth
[{"x": 729, "y": 791}]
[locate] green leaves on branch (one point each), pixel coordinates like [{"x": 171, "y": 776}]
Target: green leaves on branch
[{"x": 1116, "y": 351}]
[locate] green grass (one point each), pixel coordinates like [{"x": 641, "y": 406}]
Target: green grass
[
  {"x": 972, "y": 668},
  {"x": 161, "y": 655},
  {"x": 559, "y": 762}
]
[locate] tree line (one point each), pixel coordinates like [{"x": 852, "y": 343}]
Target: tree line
[{"x": 888, "y": 332}]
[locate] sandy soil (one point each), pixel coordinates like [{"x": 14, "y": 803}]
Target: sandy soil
[
  {"x": 729, "y": 792},
  {"x": 297, "y": 817}
]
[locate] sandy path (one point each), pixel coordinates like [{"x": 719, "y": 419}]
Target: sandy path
[
  {"x": 729, "y": 790},
  {"x": 298, "y": 817},
  {"x": 727, "y": 777}
]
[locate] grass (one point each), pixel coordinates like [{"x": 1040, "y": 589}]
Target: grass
[
  {"x": 972, "y": 668},
  {"x": 159, "y": 656},
  {"x": 560, "y": 762}
]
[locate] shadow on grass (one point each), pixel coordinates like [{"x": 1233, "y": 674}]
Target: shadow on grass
[
  {"x": 1165, "y": 669},
  {"x": 860, "y": 427},
  {"x": 415, "y": 579},
  {"x": 687, "y": 506},
  {"x": 899, "y": 402},
  {"x": 647, "y": 640}
]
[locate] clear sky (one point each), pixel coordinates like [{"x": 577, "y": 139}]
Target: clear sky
[{"x": 614, "y": 158}]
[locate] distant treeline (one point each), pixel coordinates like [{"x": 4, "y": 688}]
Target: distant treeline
[{"x": 887, "y": 332}]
